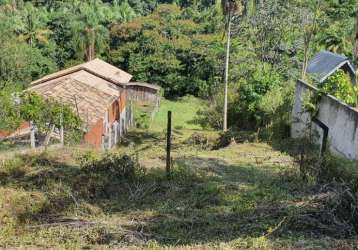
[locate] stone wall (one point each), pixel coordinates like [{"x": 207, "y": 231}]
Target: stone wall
[{"x": 341, "y": 120}]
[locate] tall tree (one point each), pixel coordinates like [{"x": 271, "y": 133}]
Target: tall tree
[
  {"x": 34, "y": 27},
  {"x": 90, "y": 33},
  {"x": 311, "y": 23},
  {"x": 230, "y": 9},
  {"x": 122, "y": 11}
]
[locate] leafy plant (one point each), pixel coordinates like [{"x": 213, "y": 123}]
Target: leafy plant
[
  {"x": 46, "y": 113},
  {"x": 340, "y": 85}
]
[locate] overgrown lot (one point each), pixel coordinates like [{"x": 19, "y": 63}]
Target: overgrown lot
[
  {"x": 245, "y": 195},
  {"x": 242, "y": 196}
]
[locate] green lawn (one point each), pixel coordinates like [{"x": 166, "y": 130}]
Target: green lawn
[{"x": 183, "y": 113}]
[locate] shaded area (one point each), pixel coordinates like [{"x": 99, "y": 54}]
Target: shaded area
[{"x": 236, "y": 193}]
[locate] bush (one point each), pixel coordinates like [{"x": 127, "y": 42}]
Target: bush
[
  {"x": 197, "y": 139},
  {"x": 101, "y": 177},
  {"x": 339, "y": 85},
  {"x": 142, "y": 119},
  {"x": 226, "y": 138},
  {"x": 114, "y": 166}
]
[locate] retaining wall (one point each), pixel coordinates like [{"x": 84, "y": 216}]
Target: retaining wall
[{"x": 341, "y": 120}]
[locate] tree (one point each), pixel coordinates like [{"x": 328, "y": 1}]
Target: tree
[
  {"x": 231, "y": 8},
  {"x": 89, "y": 33},
  {"x": 310, "y": 28},
  {"x": 19, "y": 62},
  {"x": 177, "y": 49},
  {"x": 34, "y": 27},
  {"x": 122, "y": 11},
  {"x": 339, "y": 33},
  {"x": 49, "y": 113}
]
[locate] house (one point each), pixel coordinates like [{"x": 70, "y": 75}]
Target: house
[
  {"x": 96, "y": 91},
  {"x": 325, "y": 63},
  {"x": 101, "y": 95}
]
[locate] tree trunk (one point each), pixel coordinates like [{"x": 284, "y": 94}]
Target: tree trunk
[
  {"x": 226, "y": 74},
  {"x": 355, "y": 45},
  {"x": 305, "y": 62},
  {"x": 90, "y": 46},
  {"x": 14, "y": 5}
]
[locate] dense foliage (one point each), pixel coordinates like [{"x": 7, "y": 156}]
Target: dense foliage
[
  {"x": 180, "y": 45},
  {"x": 340, "y": 85},
  {"x": 44, "y": 113},
  {"x": 177, "y": 49}
]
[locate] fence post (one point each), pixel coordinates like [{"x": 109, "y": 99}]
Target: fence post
[
  {"x": 169, "y": 134},
  {"x": 32, "y": 135},
  {"x": 109, "y": 137},
  {"x": 102, "y": 145},
  {"x": 131, "y": 113},
  {"x": 115, "y": 125},
  {"x": 62, "y": 137}
]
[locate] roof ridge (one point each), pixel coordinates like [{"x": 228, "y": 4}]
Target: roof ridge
[
  {"x": 100, "y": 70},
  {"x": 334, "y": 54}
]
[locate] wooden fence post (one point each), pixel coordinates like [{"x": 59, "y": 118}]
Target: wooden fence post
[
  {"x": 169, "y": 134},
  {"x": 115, "y": 125},
  {"x": 109, "y": 137},
  {"x": 62, "y": 136},
  {"x": 131, "y": 113},
  {"x": 32, "y": 135},
  {"x": 103, "y": 146},
  {"x": 120, "y": 128}
]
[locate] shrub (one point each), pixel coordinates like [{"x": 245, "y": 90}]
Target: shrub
[
  {"x": 226, "y": 138},
  {"x": 197, "y": 139},
  {"x": 339, "y": 85},
  {"x": 142, "y": 119},
  {"x": 86, "y": 157},
  {"x": 114, "y": 166},
  {"x": 100, "y": 177}
]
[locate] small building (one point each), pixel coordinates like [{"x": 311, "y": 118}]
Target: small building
[
  {"x": 97, "y": 92},
  {"x": 326, "y": 63},
  {"x": 144, "y": 92},
  {"x": 102, "y": 96}
]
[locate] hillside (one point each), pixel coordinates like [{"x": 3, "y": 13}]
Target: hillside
[
  {"x": 244, "y": 196},
  {"x": 262, "y": 94}
]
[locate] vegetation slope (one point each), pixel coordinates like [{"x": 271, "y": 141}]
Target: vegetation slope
[{"x": 243, "y": 196}]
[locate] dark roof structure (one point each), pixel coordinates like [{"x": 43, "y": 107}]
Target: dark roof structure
[{"x": 325, "y": 63}]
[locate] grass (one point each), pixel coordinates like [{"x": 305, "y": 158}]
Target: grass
[
  {"x": 244, "y": 196},
  {"x": 183, "y": 113}
]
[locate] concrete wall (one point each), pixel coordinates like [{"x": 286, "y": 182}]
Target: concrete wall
[{"x": 341, "y": 120}]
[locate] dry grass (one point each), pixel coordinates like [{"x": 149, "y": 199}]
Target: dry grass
[
  {"x": 244, "y": 196},
  {"x": 241, "y": 197}
]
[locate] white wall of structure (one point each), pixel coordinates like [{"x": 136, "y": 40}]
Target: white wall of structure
[{"x": 341, "y": 120}]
